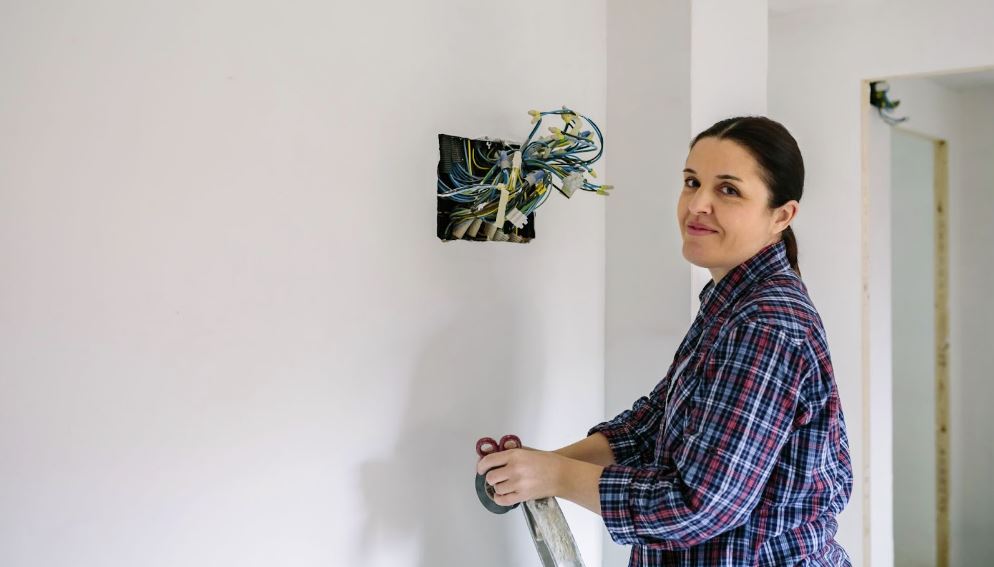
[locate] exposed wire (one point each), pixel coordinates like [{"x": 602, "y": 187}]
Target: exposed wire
[
  {"x": 884, "y": 106},
  {"x": 561, "y": 159}
]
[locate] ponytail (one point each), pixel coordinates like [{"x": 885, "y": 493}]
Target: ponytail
[{"x": 791, "y": 241}]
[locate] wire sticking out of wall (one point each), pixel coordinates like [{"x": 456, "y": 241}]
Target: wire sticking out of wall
[
  {"x": 490, "y": 189},
  {"x": 885, "y": 106}
]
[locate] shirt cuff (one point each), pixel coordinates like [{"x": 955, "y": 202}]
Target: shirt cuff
[
  {"x": 615, "y": 490},
  {"x": 624, "y": 445}
]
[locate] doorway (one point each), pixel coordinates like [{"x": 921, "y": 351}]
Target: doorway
[{"x": 928, "y": 195}]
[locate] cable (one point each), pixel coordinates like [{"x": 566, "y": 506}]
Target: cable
[
  {"x": 878, "y": 98},
  {"x": 561, "y": 159}
]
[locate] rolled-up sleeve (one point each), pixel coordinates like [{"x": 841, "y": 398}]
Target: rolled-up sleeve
[
  {"x": 745, "y": 405},
  {"x": 632, "y": 433}
]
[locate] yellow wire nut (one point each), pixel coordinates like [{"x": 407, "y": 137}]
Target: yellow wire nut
[
  {"x": 593, "y": 173},
  {"x": 515, "y": 169},
  {"x": 605, "y": 190},
  {"x": 536, "y": 115}
]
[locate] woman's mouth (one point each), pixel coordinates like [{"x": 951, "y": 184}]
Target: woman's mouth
[{"x": 695, "y": 230}]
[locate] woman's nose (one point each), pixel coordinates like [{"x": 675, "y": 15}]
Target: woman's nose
[{"x": 700, "y": 202}]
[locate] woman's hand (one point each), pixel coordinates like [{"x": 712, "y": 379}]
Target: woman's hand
[{"x": 522, "y": 474}]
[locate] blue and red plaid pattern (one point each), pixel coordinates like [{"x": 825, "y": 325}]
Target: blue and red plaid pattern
[{"x": 742, "y": 457}]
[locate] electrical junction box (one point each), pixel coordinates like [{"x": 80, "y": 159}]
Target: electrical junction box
[
  {"x": 489, "y": 189},
  {"x": 454, "y": 153}
]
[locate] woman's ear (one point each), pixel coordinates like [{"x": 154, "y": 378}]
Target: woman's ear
[{"x": 785, "y": 214}]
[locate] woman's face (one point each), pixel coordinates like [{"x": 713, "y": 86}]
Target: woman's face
[{"x": 724, "y": 194}]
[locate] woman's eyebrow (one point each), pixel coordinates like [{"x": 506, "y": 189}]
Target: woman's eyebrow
[{"x": 724, "y": 176}]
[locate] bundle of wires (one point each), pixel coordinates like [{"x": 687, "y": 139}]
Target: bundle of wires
[
  {"x": 885, "y": 106},
  {"x": 560, "y": 159}
]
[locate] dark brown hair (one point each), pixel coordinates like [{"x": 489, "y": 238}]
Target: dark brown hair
[{"x": 780, "y": 164}]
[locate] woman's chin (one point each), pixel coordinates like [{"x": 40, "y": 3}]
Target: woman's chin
[{"x": 692, "y": 254}]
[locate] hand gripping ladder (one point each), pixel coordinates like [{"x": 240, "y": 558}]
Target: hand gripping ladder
[{"x": 546, "y": 522}]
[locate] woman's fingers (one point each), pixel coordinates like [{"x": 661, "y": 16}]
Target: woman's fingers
[
  {"x": 521, "y": 474},
  {"x": 493, "y": 460},
  {"x": 502, "y": 481},
  {"x": 503, "y": 488},
  {"x": 509, "y": 499},
  {"x": 497, "y": 476}
]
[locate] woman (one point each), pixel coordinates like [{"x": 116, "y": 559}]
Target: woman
[{"x": 739, "y": 455}]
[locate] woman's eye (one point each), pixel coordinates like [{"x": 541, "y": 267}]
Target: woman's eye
[{"x": 690, "y": 182}]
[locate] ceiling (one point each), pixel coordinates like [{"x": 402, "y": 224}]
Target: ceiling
[
  {"x": 781, "y": 7},
  {"x": 968, "y": 80},
  {"x": 957, "y": 81},
  {"x": 778, "y": 7}
]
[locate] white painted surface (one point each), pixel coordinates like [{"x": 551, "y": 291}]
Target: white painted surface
[
  {"x": 962, "y": 118},
  {"x": 881, "y": 353},
  {"x": 723, "y": 64},
  {"x": 971, "y": 336},
  {"x": 649, "y": 111},
  {"x": 668, "y": 69},
  {"x": 195, "y": 309},
  {"x": 913, "y": 316},
  {"x": 817, "y": 59},
  {"x": 229, "y": 334}
]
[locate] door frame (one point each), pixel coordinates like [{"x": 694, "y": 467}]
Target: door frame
[{"x": 941, "y": 306}]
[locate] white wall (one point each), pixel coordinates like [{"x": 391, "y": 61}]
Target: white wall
[
  {"x": 879, "y": 430},
  {"x": 963, "y": 119},
  {"x": 647, "y": 281},
  {"x": 230, "y": 335},
  {"x": 818, "y": 58},
  {"x": 971, "y": 208},
  {"x": 913, "y": 323},
  {"x": 667, "y": 72}
]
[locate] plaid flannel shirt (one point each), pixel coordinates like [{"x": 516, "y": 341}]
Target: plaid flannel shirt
[{"x": 740, "y": 457}]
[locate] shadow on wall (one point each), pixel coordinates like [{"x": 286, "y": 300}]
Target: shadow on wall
[{"x": 467, "y": 384}]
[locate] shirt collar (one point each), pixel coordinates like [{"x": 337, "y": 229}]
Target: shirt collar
[{"x": 770, "y": 260}]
